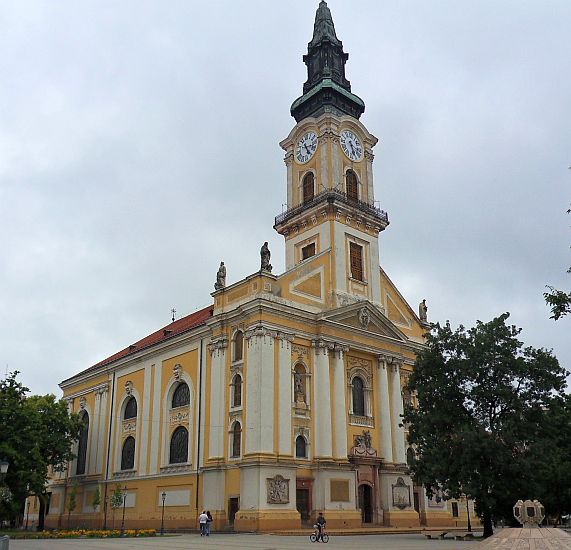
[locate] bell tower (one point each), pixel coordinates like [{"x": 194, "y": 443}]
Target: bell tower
[{"x": 329, "y": 158}]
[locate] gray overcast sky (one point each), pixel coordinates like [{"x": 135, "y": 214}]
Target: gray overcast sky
[{"x": 139, "y": 147}]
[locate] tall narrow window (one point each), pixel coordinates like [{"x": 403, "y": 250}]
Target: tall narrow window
[
  {"x": 358, "y": 392},
  {"x": 179, "y": 446},
  {"x": 128, "y": 454},
  {"x": 181, "y": 395},
  {"x": 82, "y": 444},
  {"x": 356, "y": 257},
  {"x": 351, "y": 185},
  {"x": 236, "y": 439},
  {"x": 239, "y": 346},
  {"x": 237, "y": 391},
  {"x": 454, "y": 509},
  {"x": 300, "y": 447},
  {"x": 130, "y": 409},
  {"x": 308, "y": 187}
]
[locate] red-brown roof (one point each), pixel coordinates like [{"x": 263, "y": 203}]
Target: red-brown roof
[{"x": 184, "y": 324}]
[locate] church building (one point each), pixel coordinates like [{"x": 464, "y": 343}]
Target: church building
[{"x": 283, "y": 398}]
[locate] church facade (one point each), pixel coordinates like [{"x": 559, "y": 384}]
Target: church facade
[{"x": 284, "y": 397}]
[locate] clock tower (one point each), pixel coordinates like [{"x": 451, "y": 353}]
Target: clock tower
[{"x": 329, "y": 159}]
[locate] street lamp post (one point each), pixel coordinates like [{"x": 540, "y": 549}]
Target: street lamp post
[
  {"x": 468, "y": 511},
  {"x": 27, "y": 512},
  {"x": 164, "y": 496},
  {"x": 105, "y": 501},
  {"x": 124, "y": 502}
]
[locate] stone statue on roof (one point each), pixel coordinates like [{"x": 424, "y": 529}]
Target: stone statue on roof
[
  {"x": 423, "y": 311},
  {"x": 220, "y": 277},
  {"x": 265, "y": 256},
  {"x": 323, "y": 27}
]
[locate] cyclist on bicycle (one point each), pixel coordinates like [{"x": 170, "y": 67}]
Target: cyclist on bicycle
[{"x": 320, "y": 526}]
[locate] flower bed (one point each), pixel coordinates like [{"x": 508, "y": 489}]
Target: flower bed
[{"x": 81, "y": 533}]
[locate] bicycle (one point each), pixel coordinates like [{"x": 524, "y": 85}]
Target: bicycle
[{"x": 315, "y": 536}]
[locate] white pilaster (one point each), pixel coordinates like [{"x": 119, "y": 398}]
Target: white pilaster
[
  {"x": 94, "y": 436},
  {"x": 284, "y": 393},
  {"x": 339, "y": 405},
  {"x": 259, "y": 433},
  {"x": 103, "y": 427},
  {"x": 156, "y": 423},
  {"x": 322, "y": 400},
  {"x": 398, "y": 409},
  {"x": 384, "y": 410},
  {"x": 217, "y": 394},
  {"x": 145, "y": 424}
]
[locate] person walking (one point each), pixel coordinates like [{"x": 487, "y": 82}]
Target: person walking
[
  {"x": 208, "y": 522},
  {"x": 203, "y": 521}
]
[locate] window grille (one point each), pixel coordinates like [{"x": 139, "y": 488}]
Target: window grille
[
  {"x": 128, "y": 454},
  {"x": 130, "y": 409},
  {"x": 179, "y": 446},
  {"x": 181, "y": 396},
  {"x": 82, "y": 444}
]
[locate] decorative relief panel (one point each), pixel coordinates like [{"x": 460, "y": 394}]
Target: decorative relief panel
[
  {"x": 401, "y": 494},
  {"x": 277, "y": 490},
  {"x": 300, "y": 351},
  {"x": 129, "y": 426},
  {"x": 178, "y": 416}
]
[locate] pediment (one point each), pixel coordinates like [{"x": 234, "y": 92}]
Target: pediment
[{"x": 366, "y": 317}]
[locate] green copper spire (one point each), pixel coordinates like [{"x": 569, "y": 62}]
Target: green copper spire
[
  {"x": 323, "y": 27},
  {"x": 326, "y": 88}
]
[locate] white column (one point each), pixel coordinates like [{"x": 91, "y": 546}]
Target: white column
[
  {"x": 217, "y": 398},
  {"x": 259, "y": 432},
  {"x": 398, "y": 409},
  {"x": 284, "y": 393},
  {"x": 384, "y": 410},
  {"x": 339, "y": 405},
  {"x": 321, "y": 400}
]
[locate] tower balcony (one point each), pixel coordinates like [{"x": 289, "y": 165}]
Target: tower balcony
[{"x": 332, "y": 197}]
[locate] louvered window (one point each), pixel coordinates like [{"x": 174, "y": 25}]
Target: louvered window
[
  {"x": 308, "y": 187},
  {"x": 237, "y": 391},
  {"x": 239, "y": 346},
  {"x": 351, "y": 185},
  {"x": 356, "y": 256},
  {"x": 236, "y": 439}
]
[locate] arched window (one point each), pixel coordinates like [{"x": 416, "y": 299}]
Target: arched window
[
  {"x": 181, "y": 396},
  {"x": 236, "y": 439},
  {"x": 308, "y": 187},
  {"x": 300, "y": 447},
  {"x": 358, "y": 396},
  {"x": 130, "y": 409},
  {"x": 128, "y": 454},
  {"x": 82, "y": 444},
  {"x": 351, "y": 185},
  {"x": 179, "y": 446},
  {"x": 237, "y": 391},
  {"x": 239, "y": 346}
]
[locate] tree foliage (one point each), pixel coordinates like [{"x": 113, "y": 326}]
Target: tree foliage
[
  {"x": 37, "y": 434},
  {"x": 481, "y": 397},
  {"x": 558, "y": 300}
]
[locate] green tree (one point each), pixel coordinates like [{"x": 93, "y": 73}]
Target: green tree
[
  {"x": 481, "y": 397},
  {"x": 116, "y": 502},
  {"x": 551, "y": 455},
  {"x": 71, "y": 502},
  {"x": 558, "y": 300},
  {"x": 96, "y": 499},
  {"x": 37, "y": 434}
]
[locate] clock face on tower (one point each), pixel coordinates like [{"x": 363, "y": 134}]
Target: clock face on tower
[
  {"x": 306, "y": 147},
  {"x": 351, "y": 145}
]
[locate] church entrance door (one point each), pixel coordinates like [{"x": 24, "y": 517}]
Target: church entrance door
[
  {"x": 302, "y": 504},
  {"x": 365, "y": 503},
  {"x": 233, "y": 507}
]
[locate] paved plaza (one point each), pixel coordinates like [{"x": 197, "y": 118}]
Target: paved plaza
[{"x": 246, "y": 542}]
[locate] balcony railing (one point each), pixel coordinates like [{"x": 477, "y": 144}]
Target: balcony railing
[{"x": 330, "y": 196}]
